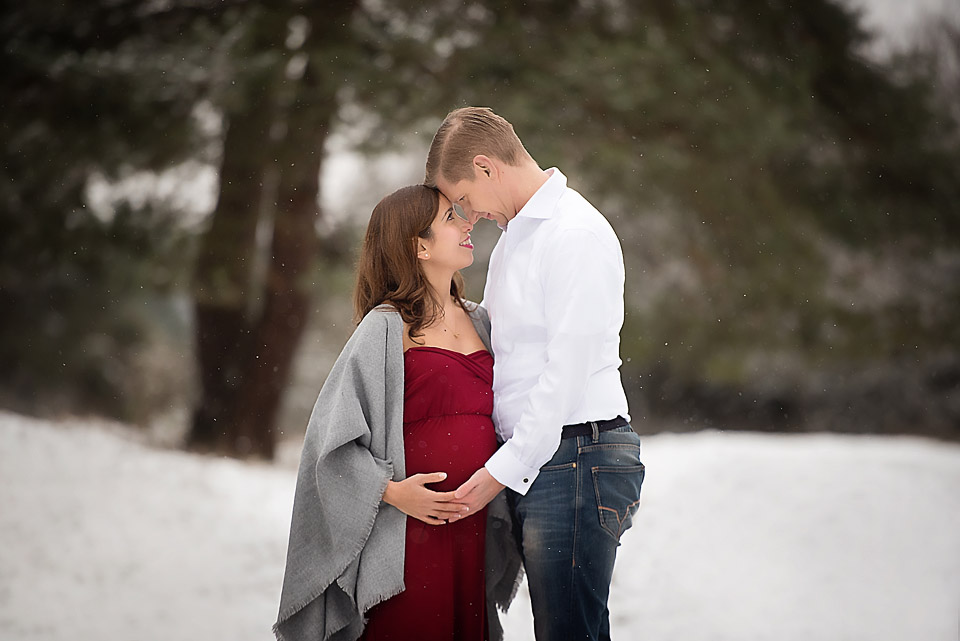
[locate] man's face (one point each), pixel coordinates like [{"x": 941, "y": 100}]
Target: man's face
[{"x": 478, "y": 198}]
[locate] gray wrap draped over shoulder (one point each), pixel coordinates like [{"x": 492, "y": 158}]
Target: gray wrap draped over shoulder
[{"x": 346, "y": 547}]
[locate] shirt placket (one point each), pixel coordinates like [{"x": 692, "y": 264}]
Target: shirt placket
[{"x": 504, "y": 300}]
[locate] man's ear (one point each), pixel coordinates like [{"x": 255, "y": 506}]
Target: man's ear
[{"x": 484, "y": 167}]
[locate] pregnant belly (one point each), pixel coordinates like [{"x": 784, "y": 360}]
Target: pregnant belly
[{"x": 458, "y": 445}]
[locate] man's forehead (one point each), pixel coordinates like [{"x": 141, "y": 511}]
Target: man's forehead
[
  {"x": 450, "y": 190},
  {"x": 460, "y": 189}
]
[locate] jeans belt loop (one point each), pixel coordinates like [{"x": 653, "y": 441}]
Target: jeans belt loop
[{"x": 594, "y": 431}]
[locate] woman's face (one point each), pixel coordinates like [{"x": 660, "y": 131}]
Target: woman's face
[{"x": 449, "y": 245}]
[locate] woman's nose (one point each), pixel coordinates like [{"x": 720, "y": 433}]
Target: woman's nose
[{"x": 468, "y": 224}]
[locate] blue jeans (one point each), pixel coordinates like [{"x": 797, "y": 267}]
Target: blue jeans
[{"x": 569, "y": 524}]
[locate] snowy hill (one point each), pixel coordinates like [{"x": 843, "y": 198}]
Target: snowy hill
[{"x": 746, "y": 537}]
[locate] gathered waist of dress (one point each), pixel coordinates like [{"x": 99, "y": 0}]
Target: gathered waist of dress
[{"x": 447, "y": 416}]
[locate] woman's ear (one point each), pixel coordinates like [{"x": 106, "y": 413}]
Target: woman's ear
[{"x": 422, "y": 252}]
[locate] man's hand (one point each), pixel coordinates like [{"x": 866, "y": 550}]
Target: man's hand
[
  {"x": 411, "y": 497},
  {"x": 476, "y": 492}
]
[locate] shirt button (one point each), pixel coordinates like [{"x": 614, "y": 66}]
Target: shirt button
[{"x": 526, "y": 480}]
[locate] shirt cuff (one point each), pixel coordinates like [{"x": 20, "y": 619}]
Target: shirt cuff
[{"x": 508, "y": 470}]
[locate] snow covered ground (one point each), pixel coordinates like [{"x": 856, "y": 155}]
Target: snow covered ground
[{"x": 740, "y": 536}]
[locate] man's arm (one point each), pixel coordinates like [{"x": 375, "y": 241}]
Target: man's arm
[{"x": 583, "y": 295}]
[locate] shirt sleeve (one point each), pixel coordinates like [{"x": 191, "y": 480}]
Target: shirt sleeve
[{"x": 582, "y": 278}]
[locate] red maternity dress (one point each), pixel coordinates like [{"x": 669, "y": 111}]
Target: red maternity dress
[{"x": 446, "y": 428}]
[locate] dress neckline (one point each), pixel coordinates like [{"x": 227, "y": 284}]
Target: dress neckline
[{"x": 446, "y": 349}]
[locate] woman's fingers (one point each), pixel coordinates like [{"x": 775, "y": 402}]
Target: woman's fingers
[
  {"x": 441, "y": 513},
  {"x": 431, "y": 519},
  {"x": 429, "y": 506},
  {"x": 433, "y": 477},
  {"x": 445, "y": 511}
]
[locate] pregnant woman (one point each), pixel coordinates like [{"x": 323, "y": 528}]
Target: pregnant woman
[{"x": 402, "y": 420}]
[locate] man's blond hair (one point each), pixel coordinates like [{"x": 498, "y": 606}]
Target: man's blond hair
[{"x": 464, "y": 133}]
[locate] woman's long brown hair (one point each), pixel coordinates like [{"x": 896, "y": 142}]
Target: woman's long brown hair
[{"x": 388, "y": 270}]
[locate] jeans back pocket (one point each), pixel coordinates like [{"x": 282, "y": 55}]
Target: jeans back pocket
[{"x": 618, "y": 495}]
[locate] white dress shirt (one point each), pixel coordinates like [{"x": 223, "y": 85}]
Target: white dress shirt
[{"x": 554, "y": 292}]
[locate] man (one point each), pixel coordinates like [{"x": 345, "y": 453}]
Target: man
[{"x": 554, "y": 291}]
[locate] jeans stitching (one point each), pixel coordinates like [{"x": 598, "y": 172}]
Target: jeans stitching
[
  {"x": 577, "y": 509},
  {"x": 620, "y": 521},
  {"x": 578, "y": 474},
  {"x": 599, "y": 447},
  {"x": 556, "y": 468},
  {"x": 632, "y": 469}
]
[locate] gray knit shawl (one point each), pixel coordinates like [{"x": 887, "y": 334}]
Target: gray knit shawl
[{"x": 346, "y": 547}]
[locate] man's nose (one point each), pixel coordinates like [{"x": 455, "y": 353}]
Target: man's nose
[{"x": 472, "y": 217}]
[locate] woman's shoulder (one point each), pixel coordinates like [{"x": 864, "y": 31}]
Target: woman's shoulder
[
  {"x": 377, "y": 331},
  {"x": 378, "y": 320},
  {"x": 475, "y": 310}
]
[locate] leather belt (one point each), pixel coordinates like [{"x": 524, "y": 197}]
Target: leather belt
[{"x": 586, "y": 429}]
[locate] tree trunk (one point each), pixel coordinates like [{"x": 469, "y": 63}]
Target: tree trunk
[
  {"x": 289, "y": 278},
  {"x": 224, "y": 273},
  {"x": 247, "y": 364},
  {"x": 224, "y": 277},
  {"x": 286, "y": 306}
]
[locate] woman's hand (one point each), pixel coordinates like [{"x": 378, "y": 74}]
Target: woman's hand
[{"x": 411, "y": 497}]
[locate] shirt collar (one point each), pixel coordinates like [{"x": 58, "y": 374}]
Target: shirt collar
[{"x": 544, "y": 200}]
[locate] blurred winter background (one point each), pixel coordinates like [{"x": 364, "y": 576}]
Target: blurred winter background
[{"x": 184, "y": 185}]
